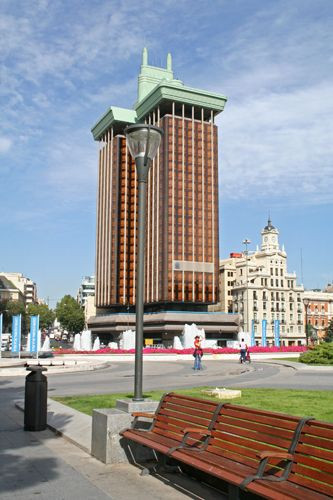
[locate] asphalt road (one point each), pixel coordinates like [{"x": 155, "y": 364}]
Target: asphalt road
[{"x": 165, "y": 375}]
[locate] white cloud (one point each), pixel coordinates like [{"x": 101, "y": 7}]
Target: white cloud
[
  {"x": 71, "y": 169},
  {"x": 276, "y": 133},
  {"x": 5, "y": 144}
]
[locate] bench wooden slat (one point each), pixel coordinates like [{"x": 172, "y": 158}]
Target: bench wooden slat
[
  {"x": 314, "y": 462},
  {"x": 257, "y": 427},
  {"x": 315, "y": 486},
  {"x": 285, "y": 490},
  {"x": 175, "y": 429},
  {"x": 313, "y": 452},
  {"x": 317, "y": 442},
  {"x": 315, "y": 474},
  {"x": 253, "y": 437},
  {"x": 264, "y": 419},
  {"x": 191, "y": 402},
  {"x": 177, "y": 421},
  {"x": 256, "y": 443},
  {"x": 150, "y": 439},
  {"x": 186, "y": 417},
  {"x": 172, "y": 410},
  {"x": 256, "y": 411},
  {"x": 244, "y": 453},
  {"x": 316, "y": 428}
]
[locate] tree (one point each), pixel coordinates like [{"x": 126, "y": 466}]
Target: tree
[
  {"x": 70, "y": 314},
  {"x": 11, "y": 308},
  {"x": 46, "y": 315},
  {"x": 329, "y": 332}
]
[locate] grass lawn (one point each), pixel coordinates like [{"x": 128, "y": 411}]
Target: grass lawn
[{"x": 317, "y": 404}]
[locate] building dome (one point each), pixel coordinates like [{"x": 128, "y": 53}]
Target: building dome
[{"x": 269, "y": 226}]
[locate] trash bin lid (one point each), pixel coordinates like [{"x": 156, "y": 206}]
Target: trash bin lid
[{"x": 36, "y": 368}]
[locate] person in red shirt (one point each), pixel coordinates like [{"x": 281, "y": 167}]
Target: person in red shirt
[{"x": 197, "y": 353}]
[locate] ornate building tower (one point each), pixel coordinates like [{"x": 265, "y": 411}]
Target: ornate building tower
[
  {"x": 182, "y": 252},
  {"x": 270, "y": 238}
]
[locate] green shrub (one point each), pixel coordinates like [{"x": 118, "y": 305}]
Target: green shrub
[{"x": 321, "y": 354}]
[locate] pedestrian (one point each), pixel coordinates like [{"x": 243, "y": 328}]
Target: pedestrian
[
  {"x": 243, "y": 349},
  {"x": 197, "y": 353}
]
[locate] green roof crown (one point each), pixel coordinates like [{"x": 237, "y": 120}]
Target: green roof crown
[{"x": 150, "y": 76}]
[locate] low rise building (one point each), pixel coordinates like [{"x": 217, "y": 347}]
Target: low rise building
[
  {"x": 264, "y": 292},
  {"x": 8, "y": 291},
  {"x": 318, "y": 306},
  {"x": 87, "y": 289},
  {"x": 26, "y": 286}
]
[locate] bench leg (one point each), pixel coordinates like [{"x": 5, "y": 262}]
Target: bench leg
[
  {"x": 161, "y": 466},
  {"x": 165, "y": 467},
  {"x": 233, "y": 492}
]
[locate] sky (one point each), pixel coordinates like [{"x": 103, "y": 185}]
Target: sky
[{"x": 63, "y": 63}]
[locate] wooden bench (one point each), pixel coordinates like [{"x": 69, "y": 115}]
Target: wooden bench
[
  {"x": 270, "y": 454},
  {"x": 174, "y": 414},
  {"x": 291, "y": 454}
]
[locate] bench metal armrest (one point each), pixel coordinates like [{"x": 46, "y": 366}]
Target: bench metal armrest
[{"x": 284, "y": 455}]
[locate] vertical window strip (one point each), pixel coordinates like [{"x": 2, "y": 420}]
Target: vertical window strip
[
  {"x": 153, "y": 245},
  {"x": 213, "y": 199},
  {"x": 98, "y": 224},
  {"x": 125, "y": 227},
  {"x": 173, "y": 203},
  {"x": 157, "y": 213},
  {"x": 203, "y": 200},
  {"x": 111, "y": 218},
  {"x": 135, "y": 242},
  {"x": 103, "y": 225},
  {"x": 107, "y": 217},
  {"x": 148, "y": 234},
  {"x": 183, "y": 199},
  {"x": 193, "y": 224}
]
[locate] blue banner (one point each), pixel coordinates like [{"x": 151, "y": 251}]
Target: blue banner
[
  {"x": 34, "y": 329},
  {"x": 277, "y": 332},
  {"x": 16, "y": 333},
  {"x": 264, "y": 330},
  {"x": 253, "y": 337}
]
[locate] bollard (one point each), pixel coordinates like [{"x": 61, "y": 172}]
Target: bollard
[{"x": 35, "y": 402}]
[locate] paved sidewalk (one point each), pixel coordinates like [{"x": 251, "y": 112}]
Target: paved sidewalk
[{"x": 47, "y": 466}]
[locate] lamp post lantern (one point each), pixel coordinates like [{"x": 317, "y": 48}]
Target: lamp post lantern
[
  {"x": 143, "y": 141},
  {"x": 247, "y": 242}
]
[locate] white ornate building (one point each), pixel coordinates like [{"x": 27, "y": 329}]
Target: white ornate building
[{"x": 261, "y": 288}]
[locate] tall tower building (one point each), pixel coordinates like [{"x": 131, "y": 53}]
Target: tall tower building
[
  {"x": 182, "y": 246},
  {"x": 182, "y": 252}
]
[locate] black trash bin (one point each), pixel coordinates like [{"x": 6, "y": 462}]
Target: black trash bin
[{"x": 35, "y": 402}]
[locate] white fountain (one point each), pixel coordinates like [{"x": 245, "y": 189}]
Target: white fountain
[
  {"x": 46, "y": 344},
  {"x": 97, "y": 344},
  {"x": 127, "y": 340},
  {"x": 86, "y": 340},
  {"x": 177, "y": 343},
  {"x": 189, "y": 333},
  {"x": 113, "y": 345},
  {"x": 77, "y": 342}
]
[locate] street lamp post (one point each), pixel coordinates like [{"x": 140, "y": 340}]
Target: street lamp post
[
  {"x": 306, "y": 303},
  {"x": 143, "y": 142},
  {"x": 247, "y": 242}
]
